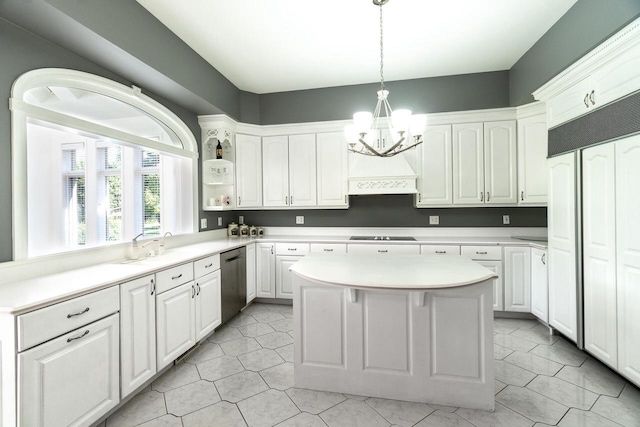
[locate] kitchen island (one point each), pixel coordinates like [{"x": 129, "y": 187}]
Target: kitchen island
[{"x": 408, "y": 327}]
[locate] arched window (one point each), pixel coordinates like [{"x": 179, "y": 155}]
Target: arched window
[{"x": 96, "y": 163}]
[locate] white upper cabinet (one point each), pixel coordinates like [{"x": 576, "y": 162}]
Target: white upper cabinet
[
  {"x": 275, "y": 166},
  {"x": 435, "y": 174},
  {"x": 484, "y": 163},
  {"x": 332, "y": 169},
  {"x": 599, "y": 252},
  {"x": 628, "y": 256},
  {"x": 532, "y": 160},
  {"x": 562, "y": 251},
  {"x": 573, "y": 102},
  {"x": 302, "y": 170},
  {"x": 289, "y": 165},
  {"x": 248, "y": 171},
  {"x": 500, "y": 162},
  {"x": 468, "y": 164}
]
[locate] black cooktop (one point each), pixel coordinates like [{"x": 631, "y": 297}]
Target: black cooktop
[{"x": 383, "y": 238}]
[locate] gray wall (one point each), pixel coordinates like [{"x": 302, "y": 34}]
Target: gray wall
[
  {"x": 583, "y": 27},
  {"x": 431, "y": 95},
  {"x": 397, "y": 211}
]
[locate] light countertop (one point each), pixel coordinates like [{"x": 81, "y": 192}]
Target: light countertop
[
  {"x": 405, "y": 272},
  {"x": 26, "y": 295}
]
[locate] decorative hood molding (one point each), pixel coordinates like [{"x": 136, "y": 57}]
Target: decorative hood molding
[{"x": 381, "y": 175}]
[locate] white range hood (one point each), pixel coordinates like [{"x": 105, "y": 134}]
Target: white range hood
[{"x": 381, "y": 175}]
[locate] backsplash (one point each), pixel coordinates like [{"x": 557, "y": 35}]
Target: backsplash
[{"x": 396, "y": 211}]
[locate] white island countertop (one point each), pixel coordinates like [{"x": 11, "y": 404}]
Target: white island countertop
[{"x": 407, "y": 272}]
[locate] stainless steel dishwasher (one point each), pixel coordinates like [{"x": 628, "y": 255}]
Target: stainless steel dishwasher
[{"x": 234, "y": 282}]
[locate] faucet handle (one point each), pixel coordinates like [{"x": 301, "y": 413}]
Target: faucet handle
[{"x": 134, "y": 241}]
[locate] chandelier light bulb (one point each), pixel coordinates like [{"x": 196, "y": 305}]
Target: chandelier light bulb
[
  {"x": 417, "y": 125},
  {"x": 362, "y": 121},
  {"x": 400, "y": 120}
]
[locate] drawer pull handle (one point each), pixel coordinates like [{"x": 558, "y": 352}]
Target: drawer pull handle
[
  {"x": 198, "y": 286},
  {"x": 176, "y": 277},
  {"x": 153, "y": 287},
  {"x": 77, "y": 338},
  {"x": 481, "y": 253},
  {"x": 328, "y": 250},
  {"x": 69, "y": 316},
  {"x": 592, "y": 97},
  {"x": 193, "y": 291},
  {"x": 292, "y": 249},
  {"x": 441, "y": 252},
  {"x": 488, "y": 196},
  {"x": 482, "y": 196},
  {"x": 586, "y": 100},
  {"x": 383, "y": 251},
  {"x": 522, "y": 196},
  {"x": 543, "y": 257},
  {"x": 208, "y": 265}
]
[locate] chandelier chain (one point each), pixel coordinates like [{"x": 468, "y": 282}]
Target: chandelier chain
[{"x": 381, "y": 51}]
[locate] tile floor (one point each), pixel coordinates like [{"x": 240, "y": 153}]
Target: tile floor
[{"x": 243, "y": 375}]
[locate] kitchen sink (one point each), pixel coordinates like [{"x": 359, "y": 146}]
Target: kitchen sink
[{"x": 383, "y": 238}]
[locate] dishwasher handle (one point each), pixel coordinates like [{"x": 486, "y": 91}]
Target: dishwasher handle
[{"x": 232, "y": 258}]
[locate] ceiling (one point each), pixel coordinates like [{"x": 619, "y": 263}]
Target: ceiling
[{"x": 284, "y": 45}]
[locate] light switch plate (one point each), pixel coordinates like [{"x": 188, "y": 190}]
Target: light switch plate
[
  {"x": 203, "y": 223},
  {"x": 219, "y": 221},
  {"x": 241, "y": 219},
  {"x": 506, "y": 220},
  {"x": 434, "y": 220},
  {"x": 299, "y": 219}
]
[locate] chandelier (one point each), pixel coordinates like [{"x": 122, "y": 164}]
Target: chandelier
[{"x": 363, "y": 136}]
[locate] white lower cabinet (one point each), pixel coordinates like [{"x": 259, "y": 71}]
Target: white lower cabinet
[
  {"x": 176, "y": 319},
  {"x": 137, "y": 333},
  {"x": 251, "y": 272},
  {"x": 517, "y": 279},
  {"x": 208, "y": 304},
  {"x": 284, "y": 278},
  {"x": 383, "y": 249},
  {"x": 265, "y": 270},
  {"x": 539, "y": 285},
  {"x": 498, "y": 283},
  {"x": 72, "y": 380}
]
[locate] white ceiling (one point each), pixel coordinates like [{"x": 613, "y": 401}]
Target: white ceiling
[{"x": 283, "y": 45}]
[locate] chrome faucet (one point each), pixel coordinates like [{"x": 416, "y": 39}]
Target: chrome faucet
[{"x": 134, "y": 250}]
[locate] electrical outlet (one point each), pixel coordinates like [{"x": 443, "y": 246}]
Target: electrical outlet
[
  {"x": 299, "y": 220},
  {"x": 203, "y": 223},
  {"x": 219, "y": 221},
  {"x": 241, "y": 219},
  {"x": 506, "y": 220},
  {"x": 434, "y": 220}
]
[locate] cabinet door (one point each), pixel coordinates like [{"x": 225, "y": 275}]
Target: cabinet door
[
  {"x": 275, "y": 164},
  {"x": 435, "y": 178},
  {"x": 284, "y": 278},
  {"x": 176, "y": 318},
  {"x": 571, "y": 103},
  {"x": 468, "y": 164},
  {"x": 302, "y": 170},
  {"x": 599, "y": 252},
  {"x": 498, "y": 286},
  {"x": 137, "y": 333},
  {"x": 532, "y": 160},
  {"x": 71, "y": 380},
  {"x": 517, "y": 279},
  {"x": 628, "y": 256},
  {"x": 251, "y": 272},
  {"x": 331, "y": 154},
  {"x": 208, "y": 308},
  {"x": 618, "y": 78},
  {"x": 562, "y": 250},
  {"x": 265, "y": 270},
  {"x": 539, "y": 285},
  {"x": 500, "y": 178},
  {"x": 248, "y": 171}
]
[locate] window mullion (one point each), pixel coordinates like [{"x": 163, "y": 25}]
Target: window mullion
[
  {"x": 91, "y": 199},
  {"x": 128, "y": 199}
]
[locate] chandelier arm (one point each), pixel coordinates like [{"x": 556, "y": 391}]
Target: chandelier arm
[
  {"x": 407, "y": 148},
  {"x": 370, "y": 148},
  {"x": 394, "y": 146}
]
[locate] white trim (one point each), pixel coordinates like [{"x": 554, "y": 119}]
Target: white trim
[
  {"x": 530, "y": 110},
  {"x": 614, "y": 46},
  {"x": 80, "y": 80}
]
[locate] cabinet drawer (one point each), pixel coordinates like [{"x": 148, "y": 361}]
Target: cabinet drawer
[
  {"x": 482, "y": 252},
  {"x": 206, "y": 265},
  {"x": 329, "y": 248},
  {"x": 440, "y": 250},
  {"x": 172, "y": 277},
  {"x": 292, "y": 248},
  {"x": 49, "y": 322},
  {"x": 383, "y": 249}
]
